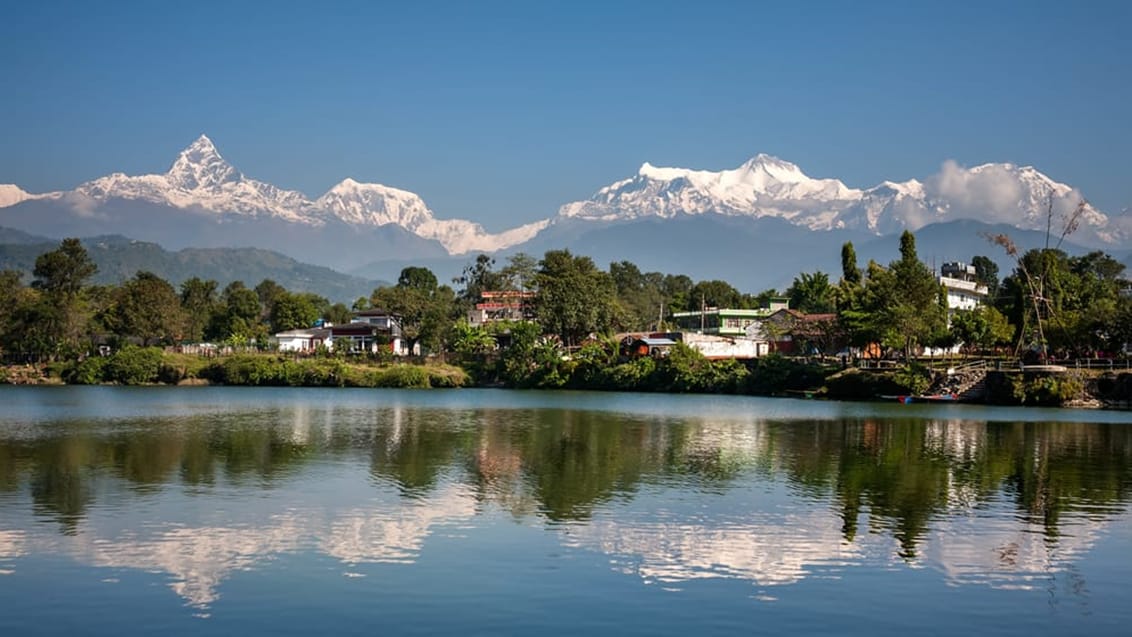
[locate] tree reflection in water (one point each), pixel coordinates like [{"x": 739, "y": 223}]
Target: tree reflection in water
[{"x": 923, "y": 490}]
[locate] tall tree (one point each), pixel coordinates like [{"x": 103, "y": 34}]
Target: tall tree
[
  {"x": 147, "y": 307},
  {"x": 913, "y": 314},
  {"x": 417, "y": 278},
  {"x": 293, "y": 311},
  {"x": 61, "y": 274},
  {"x": 478, "y": 276},
  {"x": 677, "y": 289},
  {"x": 64, "y": 271},
  {"x": 575, "y": 298},
  {"x": 639, "y": 295},
  {"x": 426, "y": 309},
  {"x": 14, "y": 301},
  {"x": 199, "y": 302},
  {"x": 268, "y": 292},
  {"x": 520, "y": 271},
  {"x": 811, "y": 293},
  {"x": 240, "y": 320},
  {"x": 986, "y": 273},
  {"x": 850, "y": 273},
  {"x": 715, "y": 293}
]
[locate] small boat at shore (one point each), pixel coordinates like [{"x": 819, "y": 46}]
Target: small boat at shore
[{"x": 929, "y": 398}]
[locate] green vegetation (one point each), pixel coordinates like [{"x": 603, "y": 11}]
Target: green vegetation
[
  {"x": 149, "y": 365},
  {"x": 1051, "y": 304}
]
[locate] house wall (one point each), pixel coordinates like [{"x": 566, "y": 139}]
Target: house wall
[{"x": 295, "y": 344}]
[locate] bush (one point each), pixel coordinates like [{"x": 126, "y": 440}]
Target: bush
[
  {"x": 857, "y": 384},
  {"x": 133, "y": 365},
  {"x": 685, "y": 370},
  {"x": 89, "y": 371},
  {"x": 447, "y": 377},
  {"x": 636, "y": 375},
  {"x": 249, "y": 370},
  {"x": 1051, "y": 391},
  {"x": 403, "y": 376},
  {"x": 914, "y": 377}
]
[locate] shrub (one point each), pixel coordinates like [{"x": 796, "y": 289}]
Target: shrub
[
  {"x": 89, "y": 371},
  {"x": 1051, "y": 391},
  {"x": 636, "y": 375},
  {"x": 246, "y": 370},
  {"x": 685, "y": 370},
  {"x": 404, "y": 376},
  {"x": 915, "y": 378},
  {"x": 133, "y": 365},
  {"x": 731, "y": 376},
  {"x": 447, "y": 377}
]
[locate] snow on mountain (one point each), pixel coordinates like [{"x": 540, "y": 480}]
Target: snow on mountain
[
  {"x": 201, "y": 179},
  {"x": 763, "y": 186},
  {"x": 766, "y": 186},
  {"x": 11, "y": 195},
  {"x": 375, "y": 205}
]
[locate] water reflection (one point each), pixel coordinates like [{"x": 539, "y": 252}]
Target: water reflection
[{"x": 668, "y": 499}]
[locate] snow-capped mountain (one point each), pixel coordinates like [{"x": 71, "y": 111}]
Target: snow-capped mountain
[
  {"x": 11, "y": 195},
  {"x": 766, "y": 186},
  {"x": 203, "y": 200},
  {"x": 201, "y": 180},
  {"x": 376, "y": 205}
]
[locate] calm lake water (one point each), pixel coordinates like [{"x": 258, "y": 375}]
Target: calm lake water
[{"x": 482, "y": 512}]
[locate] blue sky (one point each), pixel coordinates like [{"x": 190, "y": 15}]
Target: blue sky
[{"x": 502, "y": 111}]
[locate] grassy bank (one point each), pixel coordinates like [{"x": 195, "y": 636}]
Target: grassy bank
[{"x": 149, "y": 365}]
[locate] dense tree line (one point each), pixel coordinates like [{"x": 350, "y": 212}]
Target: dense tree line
[
  {"x": 60, "y": 316},
  {"x": 1050, "y": 302}
]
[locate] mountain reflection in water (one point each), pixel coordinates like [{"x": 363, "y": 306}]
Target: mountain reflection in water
[{"x": 668, "y": 498}]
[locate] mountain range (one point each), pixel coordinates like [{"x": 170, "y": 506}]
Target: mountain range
[{"x": 746, "y": 221}]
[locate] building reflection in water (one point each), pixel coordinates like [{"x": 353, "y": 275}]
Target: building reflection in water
[{"x": 1006, "y": 505}]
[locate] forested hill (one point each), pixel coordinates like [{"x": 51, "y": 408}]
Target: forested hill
[{"x": 119, "y": 258}]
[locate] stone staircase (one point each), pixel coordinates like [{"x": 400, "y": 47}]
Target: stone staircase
[{"x": 968, "y": 382}]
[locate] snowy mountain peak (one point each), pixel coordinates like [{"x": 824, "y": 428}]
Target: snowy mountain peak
[
  {"x": 362, "y": 204},
  {"x": 200, "y": 166},
  {"x": 201, "y": 180},
  {"x": 374, "y": 204},
  {"x": 779, "y": 169},
  {"x": 762, "y": 186},
  {"x": 766, "y": 186},
  {"x": 11, "y": 194}
]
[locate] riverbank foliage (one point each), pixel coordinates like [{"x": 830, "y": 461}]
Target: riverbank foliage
[
  {"x": 149, "y": 365},
  {"x": 531, "y": 362},
  {"x": 570, "y": 310}
]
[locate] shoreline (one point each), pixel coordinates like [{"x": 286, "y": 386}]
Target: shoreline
[{"x": 265, "y": 370}]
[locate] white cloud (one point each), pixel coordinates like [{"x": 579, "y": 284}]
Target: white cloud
[{"x": 991, "y": 194}]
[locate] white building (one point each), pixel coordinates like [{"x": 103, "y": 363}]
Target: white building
[
  {"x": 964, "y": 292},
  {"x": 304, "y": 341}
]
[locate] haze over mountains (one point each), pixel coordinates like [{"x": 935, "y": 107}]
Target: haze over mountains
[
  {"x": 756, "y": 225},
  {"x": 119, "y": 258}
]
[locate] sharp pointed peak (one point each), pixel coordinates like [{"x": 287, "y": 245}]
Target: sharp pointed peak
[
  {"x": 200, "y": 164},
  {"x": 201, "y": 145},
  {"x": 763, "y": 160}
]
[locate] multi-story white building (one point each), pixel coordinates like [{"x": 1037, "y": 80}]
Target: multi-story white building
[{"x": 964, "y": 292}]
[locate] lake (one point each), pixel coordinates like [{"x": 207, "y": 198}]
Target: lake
[{"x": 228, "y": 511}]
